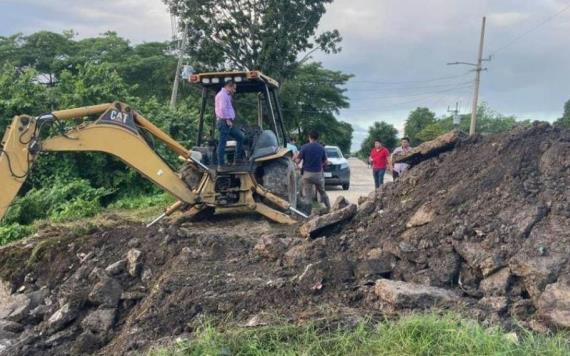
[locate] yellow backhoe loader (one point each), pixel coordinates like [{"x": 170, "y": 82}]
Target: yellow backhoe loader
[{"x": 267, "y": 183}]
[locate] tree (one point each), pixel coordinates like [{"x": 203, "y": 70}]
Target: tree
[
  {"x": 20, "y": 94},
  {"x": 565, "y": 119},
  {"x": 488, "y": 122},
  {"x": 418, "y": 120},
  {"x": 432, "y": 131},
  {"x": 269, "y": 35},
  {"x": 311, "y": 98},
  {"x": 386, "y": 133}
]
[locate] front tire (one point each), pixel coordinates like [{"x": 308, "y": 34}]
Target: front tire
[
  {"x": 280, "y": 178},
  {"x": 346, "y": 186}
]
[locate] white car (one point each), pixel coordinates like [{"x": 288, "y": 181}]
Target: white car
[{"x": 338, "y": 172}]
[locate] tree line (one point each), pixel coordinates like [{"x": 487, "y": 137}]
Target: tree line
[{"x": 423, "y": 125}]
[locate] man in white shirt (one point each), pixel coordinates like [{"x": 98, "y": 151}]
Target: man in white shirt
[{"x": 399, "y": 168}]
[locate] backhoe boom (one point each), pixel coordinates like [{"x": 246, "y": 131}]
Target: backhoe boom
[{"x": 116, "y": 132}]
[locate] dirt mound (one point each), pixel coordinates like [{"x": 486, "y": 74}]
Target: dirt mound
[
  {"x": 489, "y": 219},
  {"x": 484, "y": 228}
]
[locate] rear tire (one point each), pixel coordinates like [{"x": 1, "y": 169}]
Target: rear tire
[
  {"x": 346, "y": 186},
  {"x": 280, "y": 178}
]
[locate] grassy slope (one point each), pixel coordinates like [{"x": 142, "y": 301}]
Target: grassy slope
[
  {"x": 138, "y": 208},
  {"x": 411, "y": 335}
]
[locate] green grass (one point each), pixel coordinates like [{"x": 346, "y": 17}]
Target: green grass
[
  {"x": 80, "y": 216},
  {"x": 411, "y": 335},
  {"x": 142, "y": 201}
]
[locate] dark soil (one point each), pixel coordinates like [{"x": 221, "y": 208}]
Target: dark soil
[{"x": 489, "y": 220}]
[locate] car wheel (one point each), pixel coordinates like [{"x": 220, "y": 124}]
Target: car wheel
[{"x": 345, "y": 186}]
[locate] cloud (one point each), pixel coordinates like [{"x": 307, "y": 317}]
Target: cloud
[
  {"x": 398, "y": 41},
  {"x": 139, "y": 21},
  {"x": 506, "y": 19}
]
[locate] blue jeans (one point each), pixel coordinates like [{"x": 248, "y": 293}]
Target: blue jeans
[
  {"x": 378, "y": 177},
  {"x": 228, "y": 132}
]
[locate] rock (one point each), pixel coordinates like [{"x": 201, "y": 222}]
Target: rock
[
  {"x": 270, "y": 247},
  {"x": 554, "y": 305},
  {"x": 61, "y": 337},
  {"x": 258, "y": 320},
  {"x": 7, "y": 339},
  {"x": 426, "y": 150},
  {"x": 312, "y": 227},
  {"x": 410, "y": 295},
  {"x": 134, "y": 262},
  {"x": 11, "y": 326},
  {"x": 38, "y": 313},
  {"x": 86, "y": 343},
  {"x": 523, "y": 309},
  {"x": 106, "y": 293},
  {"x": 38, "y": 297},
  {"x": 340, "y": 203},
  {"x": 497, "y": 283},
  {"x": 15, "y": 307},
  {"x": 512, "y": 338},
  {"x": 61, "y": 317},
  {"x": 100, "y": 321},
  {"x": 422, "y": 216},
  {"x": 134, "y": 242},
  {"x": 365, "y": 208},
  {"x": 537, "y": 272},
  {"x": 168, "y": 239},
  {"x": 374, "y": 253},
  {"x": 146, "y": 276},
  {"x": 30, "y": 278},
  {"x": 477, "y": 258},
  {"x": 117, "y": 267},
  {"x": 373, "y": 268},
  {"x": 295, "y": 255},
  {"x": 495, "y": 304},
  {"x": 133, "y": 295}
]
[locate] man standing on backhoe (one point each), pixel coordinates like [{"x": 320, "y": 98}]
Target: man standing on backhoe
[{"x": 226, "y": 115}]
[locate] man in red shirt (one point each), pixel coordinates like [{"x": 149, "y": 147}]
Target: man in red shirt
[{"x": 379, "y": 159}]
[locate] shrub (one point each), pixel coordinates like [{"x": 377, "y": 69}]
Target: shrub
[
  {"x": 13, "y": 232},
  {"x": 61, "y": 201}
]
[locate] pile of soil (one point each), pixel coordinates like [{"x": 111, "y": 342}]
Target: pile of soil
[{"x": 483, "y": 228}]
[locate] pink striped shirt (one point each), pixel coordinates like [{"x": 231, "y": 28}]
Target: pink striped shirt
[{"x": 224, "y": 107}]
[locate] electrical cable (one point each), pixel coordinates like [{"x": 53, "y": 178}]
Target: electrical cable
[
  {"x": 384, "y": 82},
  {"x": 529, "y": 31}
]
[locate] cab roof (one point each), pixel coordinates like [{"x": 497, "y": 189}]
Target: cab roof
[{"x": 246, "y": 81}]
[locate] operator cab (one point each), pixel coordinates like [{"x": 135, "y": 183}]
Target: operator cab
[{"x": 258, "y": 115}]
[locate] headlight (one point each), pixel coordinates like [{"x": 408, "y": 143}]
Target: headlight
[{"x": 344, "y": 166}]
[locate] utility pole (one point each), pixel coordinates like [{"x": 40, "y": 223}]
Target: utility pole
[
  {"x": 181, "y": 50},
  {"x": 455, "y": 113},
  {"x": 478, "y": 69}
]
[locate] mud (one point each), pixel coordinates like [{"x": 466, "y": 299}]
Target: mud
[{"x": 487, "y": 223}]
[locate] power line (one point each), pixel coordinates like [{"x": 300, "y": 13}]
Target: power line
[
  {"x": 425, "y": 98},
  {"x": 380, "y": 81},
  {"x": 464, "y": 85},
  {"x": 450, "y": 86},
  {"x": 524, "y": 34}
]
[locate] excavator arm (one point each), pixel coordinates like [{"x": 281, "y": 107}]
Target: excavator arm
[{"x": 117, "y": 131}]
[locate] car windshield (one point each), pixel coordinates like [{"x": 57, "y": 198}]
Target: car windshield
[{"x": 333, "y": 153}]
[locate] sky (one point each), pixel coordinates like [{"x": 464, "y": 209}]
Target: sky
[{"x": 397, "y": 50}]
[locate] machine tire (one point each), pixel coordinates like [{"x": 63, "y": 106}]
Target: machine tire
[{"x": 280, "y": 178}]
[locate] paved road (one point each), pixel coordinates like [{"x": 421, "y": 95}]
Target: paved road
[{"x": 361, "y": 182}]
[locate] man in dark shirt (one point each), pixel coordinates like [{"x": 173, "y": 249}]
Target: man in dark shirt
[{"x": 314, "y": 157}]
